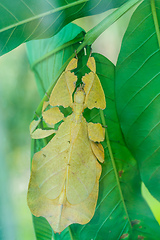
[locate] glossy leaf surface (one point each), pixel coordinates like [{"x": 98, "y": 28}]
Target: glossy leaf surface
[{"x": 24, "y": 20}]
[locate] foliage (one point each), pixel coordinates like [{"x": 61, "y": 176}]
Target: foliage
[{"x": 132, "y": 95}]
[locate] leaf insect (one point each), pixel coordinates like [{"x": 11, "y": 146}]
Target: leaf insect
[{"x": 65, "y": 174}]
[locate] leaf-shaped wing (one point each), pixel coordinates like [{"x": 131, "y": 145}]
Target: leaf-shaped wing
[
  {"x": 82, "y": 171},
  {"x": 63, "y": 90},
  {"x": 94, "y": 93}
]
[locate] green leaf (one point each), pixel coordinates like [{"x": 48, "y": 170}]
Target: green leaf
[
  {"x": 65, "y": 235},
  {"x": 120, "y": 204},
  {"x": 48, "y": 56},
  {"x": 21, "y": 21},
  {"x": 137, "y": 91},
  {"x": 42, "y": 228}
]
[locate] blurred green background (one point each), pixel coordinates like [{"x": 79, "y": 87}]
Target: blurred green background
[{"x": 18, "y": 100}]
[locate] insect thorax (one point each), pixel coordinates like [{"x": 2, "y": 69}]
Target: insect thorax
[{"x": 78, "y": 105}]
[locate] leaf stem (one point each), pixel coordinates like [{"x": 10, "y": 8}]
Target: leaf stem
[
  {"x": 55, "y": 50},
  {"x": 114, "y": 165},
  {"x": 155, "y": 19}
]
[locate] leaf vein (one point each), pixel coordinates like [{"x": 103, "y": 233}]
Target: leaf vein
[
  {"x": 49, "y": 25},
  {"x": 8, "y": 39},
  {"x": 41, "y": 15},
  {"x": 142, "y": 88},
  {"x": 9, "y": 12},
  {"x": 134, "y": 122},
  {"x": 140, "y": 67},
  {"x": 28, "y": 7},
  {"x": 50, "y": 176},
  {"x": 116, "y": 206},
  {"x": 155, "y": 126},
  {"x": 34, "y": 30},
  {"x": 108, "y": 193},
  {"x": 137, "y": 48},
  {"x": 49, "y": 3},
  {"x": 143, "y": 20}
]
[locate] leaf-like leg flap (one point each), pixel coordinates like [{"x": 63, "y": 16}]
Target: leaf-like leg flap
[
  {"x": 33, "y": 125},
  {"x": 94, "y": 93},
  {"x": 39, "y": 133},
  {"x": 98, "y": 150},
  {"x": 49, "y": 165},
  {"x": 52, "y": 116},
  {"x": 91, "y": 64},
  {"x": 62, "y": 92},
  {"x": 45, "y": 105},
  {"x": 96, "y": 132}
]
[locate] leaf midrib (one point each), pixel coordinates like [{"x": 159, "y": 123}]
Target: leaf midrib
[
  {"x": 155, "y": 19},
  {"x": 42, "y": 15},
  {"x": 114, "y": 168}
]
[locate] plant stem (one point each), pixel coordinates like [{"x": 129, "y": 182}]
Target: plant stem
[
  {"x": 155, "y": 19},
  {"x": 114, "y": 165},
  {"x": 55, "y": 50}
]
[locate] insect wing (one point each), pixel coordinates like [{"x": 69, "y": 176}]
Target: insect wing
[
  {"x": 82, "y": 170},
  {"x": 94, "y": 92},
  {"x": 62, "y": 92}
]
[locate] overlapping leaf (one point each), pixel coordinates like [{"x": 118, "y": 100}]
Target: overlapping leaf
[
  {"x": 43, "y": 230},
  {"x": 120, "y": 205},
  {"x": 138, "y": 91},
  {"x": 24, "y": 20}
]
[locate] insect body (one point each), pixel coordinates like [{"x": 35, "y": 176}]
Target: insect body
[{"x": 65, "y": 173}]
